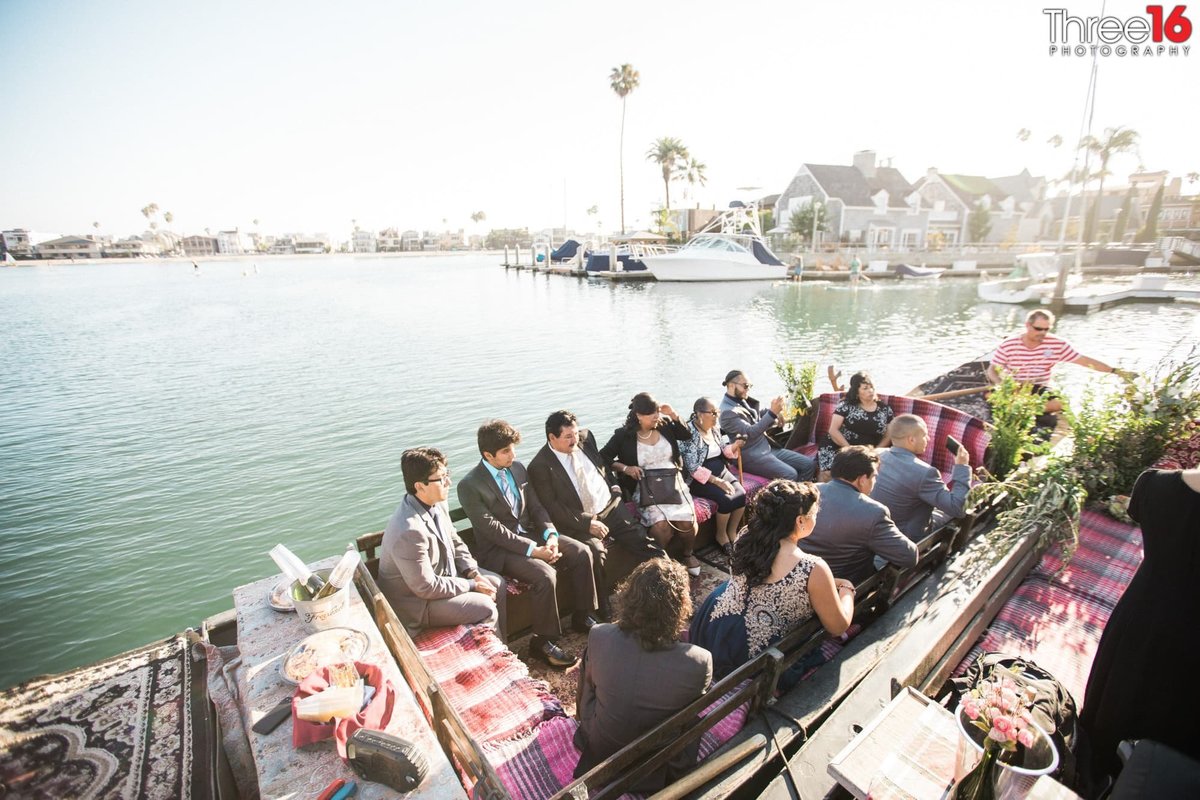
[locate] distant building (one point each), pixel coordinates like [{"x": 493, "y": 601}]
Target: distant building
[
  {"x": 410, "y": 240},
  {"x": 18, "y": 243},
  {"x": 364, "y": 242},
  {"x": 389, "y": 241},
  {"x": 231, "y": 242},
  {"x": 69, "y": 247},
  {"x": 199, "y": 246},
  {"x": 283, "y": 245},
  {"x": 317, "y": 243},
  {"x": 1014, "y": 205},
  {"x": 133, "y": 247}
]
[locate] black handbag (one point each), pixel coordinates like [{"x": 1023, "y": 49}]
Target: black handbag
[{"x": 659, "y": 487}]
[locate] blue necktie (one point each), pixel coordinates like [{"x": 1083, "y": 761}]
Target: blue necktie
[{"x": 506, "y": 489}]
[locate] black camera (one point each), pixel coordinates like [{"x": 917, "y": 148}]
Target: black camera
[{"x": 382, "y": 758}]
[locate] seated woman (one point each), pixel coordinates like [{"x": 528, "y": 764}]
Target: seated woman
[
  {"x": 708, "y": 473},
  {"x": 776, "y": 586},
  {"x": 858, "y": 419},
  {"x": 637, "y": 673},
  {"x": 649, "y": 440}
]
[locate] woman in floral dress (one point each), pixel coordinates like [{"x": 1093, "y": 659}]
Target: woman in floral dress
[{"x": 858, "y": 419}]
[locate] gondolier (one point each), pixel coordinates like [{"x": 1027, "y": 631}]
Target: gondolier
[{"x": 1030, "y": 357}]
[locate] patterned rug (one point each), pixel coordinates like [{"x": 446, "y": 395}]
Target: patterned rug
[{"x": 123, "y": 728}]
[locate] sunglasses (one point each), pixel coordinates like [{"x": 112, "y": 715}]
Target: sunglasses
[
  {"x": 443, "y": 478},
  {"x": 1040, "y": 329}
]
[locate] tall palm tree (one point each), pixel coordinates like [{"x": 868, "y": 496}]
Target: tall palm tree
[
  {"x": 671, "y": 156},
  {"x": 168, "y": 217},
  {"x": 1116, "y": 140},
  {"x": 623, "y": 80},
  {"x": 478, "y": 217},
  {"x": 693, "y": 173}
]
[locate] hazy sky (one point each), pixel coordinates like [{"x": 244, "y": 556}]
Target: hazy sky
[{"x": 307, "y": 115}]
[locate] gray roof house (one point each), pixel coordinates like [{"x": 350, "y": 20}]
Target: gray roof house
[
  {"x": 1016, "y": 204},
  {"x": 866, "y": 204}
]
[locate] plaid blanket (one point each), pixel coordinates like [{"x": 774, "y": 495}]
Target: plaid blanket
[
  {"x": 537, "y": 767},
  {"x": 1056, "y": 616},
  {"x": 942, "y": 420},
  {"x": 486, "y": 683}
]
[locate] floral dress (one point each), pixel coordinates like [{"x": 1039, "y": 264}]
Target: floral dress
[
  {"x": 859, "y": 426},
  {"x": 659, "y": 456},
  {"x": 735, "y": 625}
]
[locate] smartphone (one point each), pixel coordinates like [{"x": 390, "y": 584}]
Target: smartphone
[{"x": 953, "y": 445}]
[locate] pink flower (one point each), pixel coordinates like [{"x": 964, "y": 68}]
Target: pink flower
[
  {"x": 1026, "y": 737},
  {"x": 997, "y": 736},
  {"x": 1002, "y": 724},
  {"x": 971, "y": 709}
]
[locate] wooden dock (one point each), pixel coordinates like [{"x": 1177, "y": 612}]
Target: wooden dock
[{"x": 1087, "y": 303}]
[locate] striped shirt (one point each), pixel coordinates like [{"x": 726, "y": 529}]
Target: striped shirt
[{"x": 1032, "y": 364}]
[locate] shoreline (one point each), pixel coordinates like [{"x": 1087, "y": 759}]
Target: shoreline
[{"x": 58, "y": 262}]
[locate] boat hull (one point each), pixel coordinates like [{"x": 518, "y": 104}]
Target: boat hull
[{"x": 683, "y": 267}]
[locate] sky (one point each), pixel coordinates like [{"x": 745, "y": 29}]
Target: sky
[{"x": 311, "y": 115}]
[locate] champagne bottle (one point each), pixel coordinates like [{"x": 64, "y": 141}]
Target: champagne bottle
[
  {"x": 341, "y": 574},
  {"x": 297, "y": 570}
]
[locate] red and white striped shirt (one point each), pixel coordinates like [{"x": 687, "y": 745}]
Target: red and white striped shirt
[{"x": 1032, "y": 364}]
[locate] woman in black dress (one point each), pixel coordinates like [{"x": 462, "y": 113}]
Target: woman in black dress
[
  {"x": 1142, "y": 683},
  {"x": 858, "y": 419}
]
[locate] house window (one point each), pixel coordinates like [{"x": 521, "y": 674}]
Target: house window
[{"x": 910, "y": 237}]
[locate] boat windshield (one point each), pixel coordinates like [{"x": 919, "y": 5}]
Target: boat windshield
[{"x": 722, "y": 243}]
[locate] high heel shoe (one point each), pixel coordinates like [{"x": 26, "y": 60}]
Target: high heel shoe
[{"x": 692, "y": 563}]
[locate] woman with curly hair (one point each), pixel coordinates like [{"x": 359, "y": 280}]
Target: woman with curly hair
[
  {"x": 649, "y": 442},
  {"x": 637, "y": 673},
  {"x": 776, "y": 586},
  {"x": 858, "y": 419}
]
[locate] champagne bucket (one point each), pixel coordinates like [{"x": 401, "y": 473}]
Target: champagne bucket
[{"x": 328, "y": 612}]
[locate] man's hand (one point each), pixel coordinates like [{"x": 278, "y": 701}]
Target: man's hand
[
  {"x": 777, "y": 406},
  {"x": 552, "y": 544},
  {"x": 546, "y": 554},
  {"x": 963, "y": 456},
  {"x": 597, "y": 529},
  {"x": 484, "y": 586},
  {"x": 1125, "y": 374}
]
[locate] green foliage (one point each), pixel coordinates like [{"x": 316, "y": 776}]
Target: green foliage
[
  {"x": 979, "y": 222},
  {"x": 1042, "y": 500},
  {"x": 801, "y": 221},
  {"x": 673, "y": 159},
  {"x": 1118, "y": 434},
  {"x": 799, "y": 383},
  {"x": 1014, "y": 409},
  {"x": 1149, "y": 231},
  {"x": 766, "y": 219}
]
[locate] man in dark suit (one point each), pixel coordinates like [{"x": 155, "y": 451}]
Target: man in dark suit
[
  {"x": 425, "y": 570},
  {"x": 743, "y": 417},
  {"x": 852, "y": 528},
  {"x": 580, "y": 493},
  {"x": 912, "y": 488},
  {"x": 515, "y": 537}
]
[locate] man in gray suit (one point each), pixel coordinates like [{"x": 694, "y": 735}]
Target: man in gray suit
[
  {"x": 912, "y": 488},
  {"x": 426, "y": 571},
  {"x": 852, "y": 528},
  {"x": 742, "y": 417}
]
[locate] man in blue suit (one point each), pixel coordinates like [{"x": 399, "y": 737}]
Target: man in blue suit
[
  {"x": 742, "y": 416},
  {"x": 911, "y": 488},
  {"x": 852, "y": 529}
]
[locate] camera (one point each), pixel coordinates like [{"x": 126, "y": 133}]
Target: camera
[{"x": 382, "y": 758}]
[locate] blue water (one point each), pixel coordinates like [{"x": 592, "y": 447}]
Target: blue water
[{"x": 162, "y": 428}]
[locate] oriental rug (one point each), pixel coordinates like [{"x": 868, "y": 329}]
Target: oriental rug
[{"x": 122, "y": 728}]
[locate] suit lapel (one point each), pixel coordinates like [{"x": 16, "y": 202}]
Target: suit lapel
[
  {"x": 427, "y": 518},
  {"x": 567, "y": 488},
  {"x": 493, "y": 489}
]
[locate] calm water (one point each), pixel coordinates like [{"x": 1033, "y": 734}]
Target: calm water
[{"x": 160, "y": 430}]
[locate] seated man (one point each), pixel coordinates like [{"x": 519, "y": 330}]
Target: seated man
[
  {"x": 912, "y": 489},
  {"x": 581, "y": 495},
  {"x": 852, "y": 528},
  {"x": 425, "y": 570},
  {"x": 741, "y": 417},
  {"x": 514, "y": 536}
]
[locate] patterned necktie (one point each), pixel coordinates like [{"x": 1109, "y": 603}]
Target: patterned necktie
[
  {"x": 586, "y": 495},
  {"x": 506, "y": 490}
]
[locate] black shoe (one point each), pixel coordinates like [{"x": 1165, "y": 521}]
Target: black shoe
[
  {"x": 582, "y": 622},
  {"x": 548, "y": 652},
  {"x": 603, "y": 613}
]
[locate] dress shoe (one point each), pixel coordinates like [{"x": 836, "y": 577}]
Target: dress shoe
[
  {"x": 582, "y": 623},
  {"x": 692, "y": 563},
  {"x": 604, "y": 612},
  {"x": 548, "y": 652}
]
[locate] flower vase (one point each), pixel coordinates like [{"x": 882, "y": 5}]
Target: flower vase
[{"x": 979, "y": 783}]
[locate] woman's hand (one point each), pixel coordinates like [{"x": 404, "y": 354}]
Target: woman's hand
[
  {"x": 633, "y": 472},
  {"x": 736, "y": 446},
  {"x": 722, "y": 485},
  {"x": 665, "y": 408},
  {"x": 835, "y": 430}
]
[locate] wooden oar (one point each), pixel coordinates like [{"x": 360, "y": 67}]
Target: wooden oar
[{"x": 955, "y": 393}]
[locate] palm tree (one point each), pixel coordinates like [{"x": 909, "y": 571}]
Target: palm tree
[
  {"x": 1193, "y": 177},
  {"x": 1116, "y": 140},
  {"x": 623, "y": 80},
  {"x": 693, "y": 173},
  {"x": 671, "y": 156},
  {"x": 168, "y": 217},
  {"x": 478, "y": 217},
  {"x": 1023, "y": 134}
]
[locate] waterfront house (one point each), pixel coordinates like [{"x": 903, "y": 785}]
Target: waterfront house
[
  {"x": 410, "y": 240},
  {"x": 865, "y": 204},
  {"x": 199, "y": 246},
  {"x": 364, "y": 241},
  {"x": 69, "y": 247},
  {"x": 231, "y": 242},
  {"x": 133, "y": 247},
  {"x": 1015, "y": 206},
  {"x": 18, "y": 243},
  {"x": 390, "y": 241},
  {"x": 317, "y": 243}
]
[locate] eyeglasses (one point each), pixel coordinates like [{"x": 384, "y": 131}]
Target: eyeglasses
[
  {"x": 713, "y": 413},
  {"x": 1040, "y": 329},
  {"x": 746, "y": 386},
  {"x": 443, "y": 478}
]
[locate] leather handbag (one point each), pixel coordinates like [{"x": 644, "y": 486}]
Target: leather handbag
[{"x": 659, "y": 487}]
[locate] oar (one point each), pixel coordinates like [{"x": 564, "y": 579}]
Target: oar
[
  {"x": 833, "y": 379},
  {"x": 955, "y": 393}
]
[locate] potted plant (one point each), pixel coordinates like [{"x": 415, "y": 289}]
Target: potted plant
[{"x": 798, "y": 383}]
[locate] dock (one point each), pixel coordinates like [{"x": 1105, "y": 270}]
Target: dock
[{"x": 1087, "y": 303}]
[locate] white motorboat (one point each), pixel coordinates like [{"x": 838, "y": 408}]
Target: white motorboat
[
  {"x": 1032, "y": 279},
  {"x": 737, "y": 253}
]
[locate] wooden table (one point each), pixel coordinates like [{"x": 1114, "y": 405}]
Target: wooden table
[
  {"x": 265, "y": 636},
  {"x": 913, "y": 749}
]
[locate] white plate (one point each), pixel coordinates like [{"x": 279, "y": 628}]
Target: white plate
[{"x": 332, "y": 646}]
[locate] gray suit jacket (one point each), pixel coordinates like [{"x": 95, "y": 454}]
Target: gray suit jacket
[
  {"x": 625, "y": 691},
  {"x": 912, "y": 489},
  {"x": 751, "y": 422},
  {"x": 851, "y": 530},
  {"x": 492, "y": 518},
  {"x": 414, "y": 562}
]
